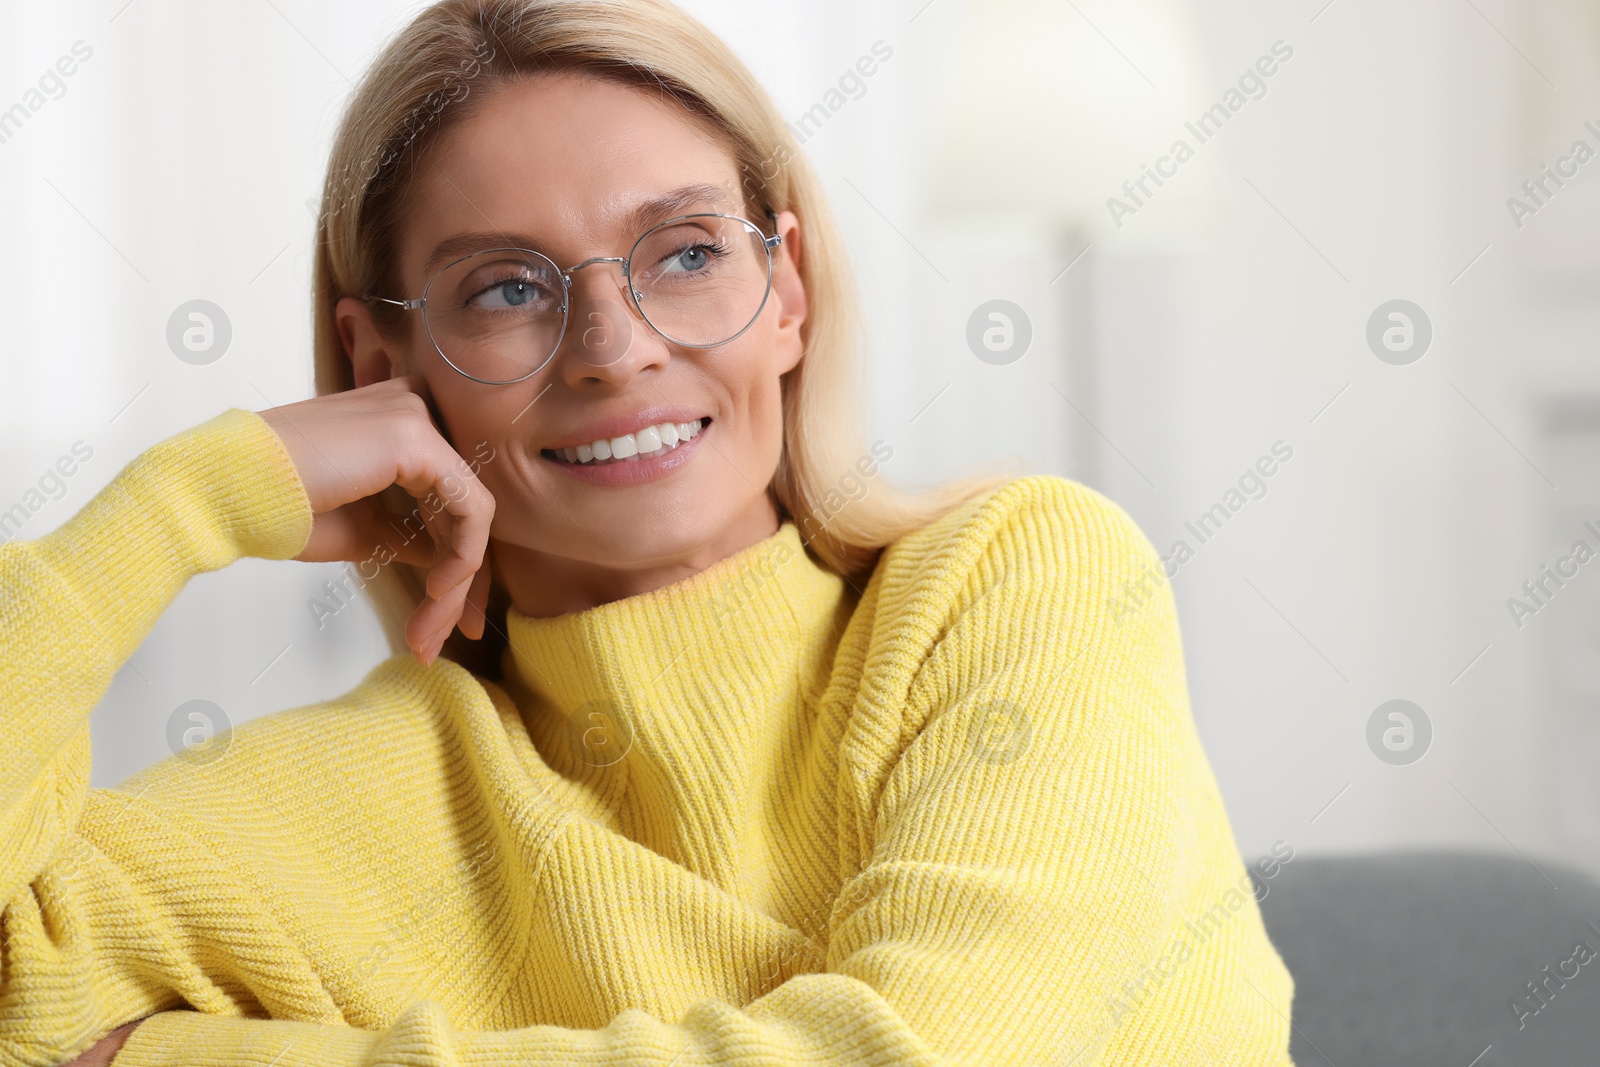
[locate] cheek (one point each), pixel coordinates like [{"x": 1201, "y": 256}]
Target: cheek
[
  {"x": 758, "y": 400},
  {"x": 510, "y": 476},
  {"x": 491, "y": 452},
  {"x": 411, "y": 348},
  {"x": 477, "y": 428}
]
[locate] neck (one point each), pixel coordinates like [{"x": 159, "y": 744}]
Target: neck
[{"x": 543, "y": 585}]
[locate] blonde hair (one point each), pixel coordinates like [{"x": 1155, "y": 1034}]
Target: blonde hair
[{"x": 444, "y": 63}]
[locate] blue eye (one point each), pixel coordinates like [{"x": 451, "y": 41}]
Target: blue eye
[
  {"x": 498, "y": 284},
  {"x": 695, "y": 258},
  {"x": 514, "y": 293},
  {"x": 509, "y": 294},
  {"x": 692, "y": 258}
]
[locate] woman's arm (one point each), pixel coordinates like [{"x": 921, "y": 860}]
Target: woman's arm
[
  {"x": 105, "y": 1050},
  {"x": 1052, "y": 877},
  {"x": 296, "y": 482},
  {"x": 74, "y": 605}
]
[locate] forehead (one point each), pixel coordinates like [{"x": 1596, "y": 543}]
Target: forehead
[{"x": 563, "y": 160}]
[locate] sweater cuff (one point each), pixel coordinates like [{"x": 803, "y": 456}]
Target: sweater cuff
[
  {"x": 184, "y": 1037},
  {"x": 234, "y": 475},
  {"x": 195, "y": 502}
]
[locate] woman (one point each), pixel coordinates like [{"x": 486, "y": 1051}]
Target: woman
[{"x": 757, "y": 759}]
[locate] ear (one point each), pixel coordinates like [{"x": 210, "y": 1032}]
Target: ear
[
  {"x": 790, "y": 291},
  {"x": 372, "y": 357}
]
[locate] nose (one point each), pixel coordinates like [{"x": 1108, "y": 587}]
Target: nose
[{"x": 606, "y": 340}]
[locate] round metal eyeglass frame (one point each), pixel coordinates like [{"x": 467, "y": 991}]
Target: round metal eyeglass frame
[{"x": 421, "y": 302}]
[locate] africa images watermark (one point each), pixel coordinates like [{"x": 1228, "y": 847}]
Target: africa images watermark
[
  {"x": 454, "y": 88},
  {"x": 853, "y": 485},
  {"x": 51, "y": 85},
  {"x": 1197, "y": 931},
  {"x": 1252, "y": 485},
  {"x": 1252, "y": 85},
  {"x": 1189, "y": 938},
  {"x": 852, "y": 82},
  {"x": 851, "y": 85},
  {"x": 399, "y": 930},
  {"x": 52, "y": 485},
  {"x": 341, "y": 595},
  {"x": 1541, "y": 590},
  {"x": 601, "y": 732},
  {"x": 1540, "y": 994},
  {"x": 1538, "y": 191},
  {"x": 850, "y": 489}
]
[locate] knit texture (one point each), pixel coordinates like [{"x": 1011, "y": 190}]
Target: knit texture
[{"x": 760, "y": 816}]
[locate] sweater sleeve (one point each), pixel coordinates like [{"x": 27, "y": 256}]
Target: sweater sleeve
[
  {"x": 1052, "y": 877},
  {"x": 74, "y": 605}
]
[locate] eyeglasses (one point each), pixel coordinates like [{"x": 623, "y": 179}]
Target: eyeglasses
[{"x": 499, "y": 315}]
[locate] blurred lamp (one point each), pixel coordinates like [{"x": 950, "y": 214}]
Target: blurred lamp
[{"x": 1052, "y": 105}]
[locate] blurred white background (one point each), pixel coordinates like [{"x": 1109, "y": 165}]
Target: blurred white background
[{"x": 1227, "y": 312}]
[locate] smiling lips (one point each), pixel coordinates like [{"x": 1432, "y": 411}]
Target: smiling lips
[{"x": 649, "y": 442}]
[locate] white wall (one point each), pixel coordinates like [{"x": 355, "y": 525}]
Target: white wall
[
  {"x": 1419, "y": 501},
  {"x": 179, "y": 161}
]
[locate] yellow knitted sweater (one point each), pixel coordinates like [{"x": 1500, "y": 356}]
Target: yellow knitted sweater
[{"x": 755, "y": 817}]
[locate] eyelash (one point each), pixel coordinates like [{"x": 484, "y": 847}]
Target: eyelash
[{"x": 718, "y": 249}]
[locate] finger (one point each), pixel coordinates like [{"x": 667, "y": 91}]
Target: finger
[
  {"x": 456, "y": 509},
  {"x": 445, "y": 602},
  {"x": 423, "y": 627},
  {"x": 464, "y": 606},
  {"x": 474, "y": 615},
  {"x": 364, "y": 531},
  {"x": 413, "y": 383},
  {"x": 464, "y": 497},
  {"x": 421, "y": 638},
  {"x": 462, "y": 510},
  {"x": 418, "y": 385},
  {"x": 430, "y": 625},
  {"x": 401, "y": 538}
]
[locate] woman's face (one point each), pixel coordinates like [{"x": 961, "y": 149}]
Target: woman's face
[{"x": 560, "y": 163}]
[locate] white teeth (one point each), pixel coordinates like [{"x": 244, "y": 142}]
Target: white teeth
[{"x": 652, "y": 440}]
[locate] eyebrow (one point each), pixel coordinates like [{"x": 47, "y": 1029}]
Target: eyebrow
[{"x": 646, "y": 213}]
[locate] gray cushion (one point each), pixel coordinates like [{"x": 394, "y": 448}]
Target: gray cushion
[{"x": 1416, "y": 958}]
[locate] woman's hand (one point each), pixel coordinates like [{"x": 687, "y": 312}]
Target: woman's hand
[
  {"x": 101, "y": 1053},
  {"x": 350, "y": 446}
]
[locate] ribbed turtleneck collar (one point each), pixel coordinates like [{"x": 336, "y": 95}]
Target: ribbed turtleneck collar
[{"x": 672, "y": 698}]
